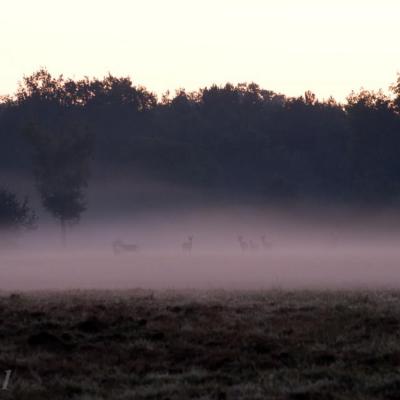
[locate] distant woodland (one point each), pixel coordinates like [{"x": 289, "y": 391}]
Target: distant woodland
[{"x": 232, "y": 139}]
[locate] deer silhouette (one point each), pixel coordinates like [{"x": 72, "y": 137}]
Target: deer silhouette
[
  {"x": 187, "y": 246},
  {"x": 120, "y": 247}
]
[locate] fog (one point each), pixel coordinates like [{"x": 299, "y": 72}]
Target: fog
[{"x": 305, "y": 248}]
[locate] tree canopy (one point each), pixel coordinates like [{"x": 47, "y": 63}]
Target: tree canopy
[{"x": 237, "y": 139}]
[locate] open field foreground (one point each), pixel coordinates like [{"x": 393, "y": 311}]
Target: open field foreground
[{"x": 141, "y": 344}]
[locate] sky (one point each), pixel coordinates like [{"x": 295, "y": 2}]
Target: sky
[{"x": 289, "y": 46}]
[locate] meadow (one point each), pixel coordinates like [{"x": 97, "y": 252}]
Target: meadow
[{"x": 200, "y": 344}]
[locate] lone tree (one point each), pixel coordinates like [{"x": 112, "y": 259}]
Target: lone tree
[
  {"x": 61, "y": 168},
  {"x": 14, "y": 214},
  {"x": 61, "y": 143}
]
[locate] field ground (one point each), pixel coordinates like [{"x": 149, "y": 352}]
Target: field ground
[{"x": 138, "y": 344}]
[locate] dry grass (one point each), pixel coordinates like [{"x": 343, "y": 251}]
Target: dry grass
[{"x": 204, "y": 345}]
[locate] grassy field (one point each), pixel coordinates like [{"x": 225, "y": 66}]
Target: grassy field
[{"x": 139, "y": 344}]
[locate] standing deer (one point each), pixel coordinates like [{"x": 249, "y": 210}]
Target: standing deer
[
  {"x": 120, "y": 247},
  {"x": 187, "y": 246}
]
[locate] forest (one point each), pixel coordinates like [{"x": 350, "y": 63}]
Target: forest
[{"x": 240, "y": 140}]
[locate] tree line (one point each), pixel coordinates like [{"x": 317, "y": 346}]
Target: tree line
[{"x": 234, "y": 139}]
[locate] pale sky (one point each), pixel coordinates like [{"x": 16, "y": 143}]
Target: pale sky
[{"x": 329, "y": 47}]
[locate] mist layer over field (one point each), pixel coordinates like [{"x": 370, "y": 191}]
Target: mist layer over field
[{"x": 313, "y": 249}]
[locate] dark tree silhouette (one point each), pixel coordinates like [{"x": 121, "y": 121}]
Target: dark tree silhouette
[
  {"x": 375, "y": 143},
  {"x": 61, "y": 167},
  {"x": 15, "y": 214},
  {"x": 237, "y": 140},
  {"x": 395, "y": 88},
  {"x": 61, "y": 143}
]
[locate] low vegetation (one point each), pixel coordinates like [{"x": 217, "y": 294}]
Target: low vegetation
[{"x": 205, "y": 345}]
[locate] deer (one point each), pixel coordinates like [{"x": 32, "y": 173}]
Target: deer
[
  {"x": 243, "y": 244},
  {"x": 187, "y": 246},
  {"x": 120, "y": 247}
]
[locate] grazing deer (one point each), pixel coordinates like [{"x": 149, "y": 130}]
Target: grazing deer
[
  {"x": 265, "y": 243},
  {"x": 120, "y": 247},
  {"x": 187, "y": 246},
  {"x": 243, "y": 244}
]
